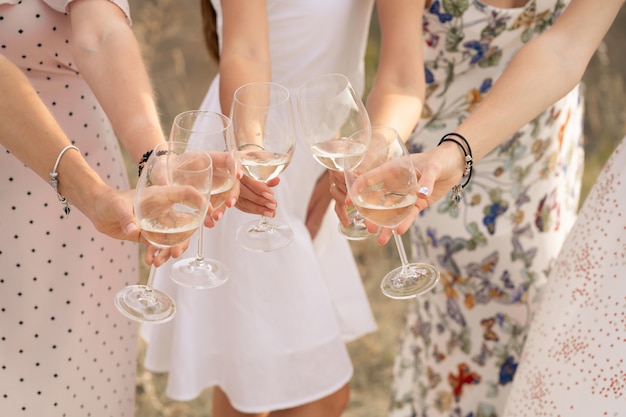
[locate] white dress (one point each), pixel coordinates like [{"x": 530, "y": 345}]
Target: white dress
[
  {"x": 64, "y": 348},
  {"x": 574, "y": 360},
  {"x": 274, "y": 335}
]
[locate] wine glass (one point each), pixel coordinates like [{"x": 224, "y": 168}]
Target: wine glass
[
  {"x": 171, "y": 200},
  {"x": 383, "y": 186},
  {"x": 264, "y": 129},
  {"x": 213, "y": 133},
  {"x": 330, "y": 112}
]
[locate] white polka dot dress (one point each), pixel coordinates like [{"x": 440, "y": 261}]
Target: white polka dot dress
[
  {"x": 65, "y": 351},
  {"x": 574, "y": 361}
]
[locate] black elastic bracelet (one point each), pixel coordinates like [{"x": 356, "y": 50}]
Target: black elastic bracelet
[
  {"x": 143, "y": 160},
  {"x": 146, "y": 156},
  {"x": 455, "y": 196}
]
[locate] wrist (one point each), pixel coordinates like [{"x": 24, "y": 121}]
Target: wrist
[
  {"x": 79, "y": 183},
  {"x": 463, "y": 145},
  {"x": 465, "y": 148},
  {"x": 453, "y": 153},
  {"x": 141, "y": 137}
]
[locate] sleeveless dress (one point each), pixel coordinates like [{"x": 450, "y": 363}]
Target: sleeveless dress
[
  {"x": 462, "y": 342},
  {"x": 574, "y": 358},
  {"x": 64, "y": 348},
  {"x": 274, "y": 335}
]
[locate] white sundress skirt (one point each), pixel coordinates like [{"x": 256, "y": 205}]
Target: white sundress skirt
[{"x": 274, "y": 335}]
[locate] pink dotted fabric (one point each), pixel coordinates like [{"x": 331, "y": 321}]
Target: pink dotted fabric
[{"x": 574, "y": 361}]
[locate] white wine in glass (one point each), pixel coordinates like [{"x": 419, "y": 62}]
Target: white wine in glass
[
  {"x": 262, "y": 165},
  {"x": 383, "y": 186},
  {"x": 265, "y": 136},
  {"x": 330, "y": 112},
  {"x": 171, "y": 200},
  {"x": 213, "y": 133}
]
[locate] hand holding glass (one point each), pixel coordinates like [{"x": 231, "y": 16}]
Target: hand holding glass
[
  {"x": 383, "y": 187},
  {"x": 211, "y": 132},
  {"x": 330, "y": 112},
  {"x": 171, "y": 200},
  {"x": 264, "y": 129}
]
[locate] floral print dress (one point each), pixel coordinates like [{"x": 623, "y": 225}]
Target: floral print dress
[{"x": 462, "y": 342}]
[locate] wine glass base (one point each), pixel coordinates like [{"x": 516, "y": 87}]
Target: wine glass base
[
  {"x": 264, "y": 237},
  {"x": 355, "y": 231},
  {"x": 199, "y": 274},
  {"x": 144, "y": 304},
  {"x": 409, "y": 281}
]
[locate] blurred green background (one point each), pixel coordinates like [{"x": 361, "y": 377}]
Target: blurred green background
[{"x": 170, "y": 34}]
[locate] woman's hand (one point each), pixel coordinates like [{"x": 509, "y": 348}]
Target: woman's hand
[
  {"x": 158, "y": 256},
  {"x": 438, "y": 170},
  {"x": 257, "y": 197},
  {"x": 318, "y": 204},
  {"x": 112, "y": 214},
  {"x": 214, "y": 215},
  {"x": 339, "y": 193},
  {"x": 225, "y": 162}
]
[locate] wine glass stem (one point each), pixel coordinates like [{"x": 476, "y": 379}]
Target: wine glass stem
[
  {"x": 200, "y": 253},
  {"x": 401, "y": 250},
  {"x": 152, "y": 272},
  {"x": 151, "y": 276}
]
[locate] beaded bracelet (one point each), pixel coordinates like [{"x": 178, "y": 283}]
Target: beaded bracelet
[
  {"x": 54, "y": 181},
  {"x": 146, "y": 156},
  {"x": 455, "y": 195},
  {"x": 142, "y": 161}
]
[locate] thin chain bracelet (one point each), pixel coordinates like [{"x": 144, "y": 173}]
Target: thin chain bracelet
[
  {"x": 54, "y": 181},
  {"x": 455, "y": 195}
]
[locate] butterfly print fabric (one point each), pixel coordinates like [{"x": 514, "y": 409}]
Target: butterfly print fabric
[{"x": 461, "y": 345}]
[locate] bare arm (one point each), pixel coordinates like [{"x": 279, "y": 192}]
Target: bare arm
[
  {"x": 398, "y": 92},
  {"x": 542, "y": 72},
  {"x": 30, "y": 132},
  {"x": 27, "y": 121},
  {"x": 108, "y": 57},
  {"x": 245, "y": 55},
  {"x": 397, "y": 95}
]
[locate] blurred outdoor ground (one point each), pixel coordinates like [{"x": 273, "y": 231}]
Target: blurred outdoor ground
[{"x": 171, "y": 37}]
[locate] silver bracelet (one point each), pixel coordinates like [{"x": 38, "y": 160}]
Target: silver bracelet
[{"x": 54, "y": 182}]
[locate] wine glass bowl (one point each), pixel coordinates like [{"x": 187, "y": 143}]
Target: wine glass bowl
[
  {"x": 262, "y": 165},
  {"x": 174, "y": 170},
  {"x": 264, "y": 129},
  {"x": 171, "y": 199},
  {"x": 383, "y": 187},
  {"x": 212, "y": 132},
  {"x": 330, "y": 112}
]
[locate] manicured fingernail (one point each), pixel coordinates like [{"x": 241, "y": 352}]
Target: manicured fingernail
[
  {"x": 268, "y": 195},
  {"x": 218, "y": 215},
  {"x": 268, "y": 213},
  {"x": 271, "y": 206},
  {"x": 424, "y": 190},
  {"x": 233, "y": 201}
]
